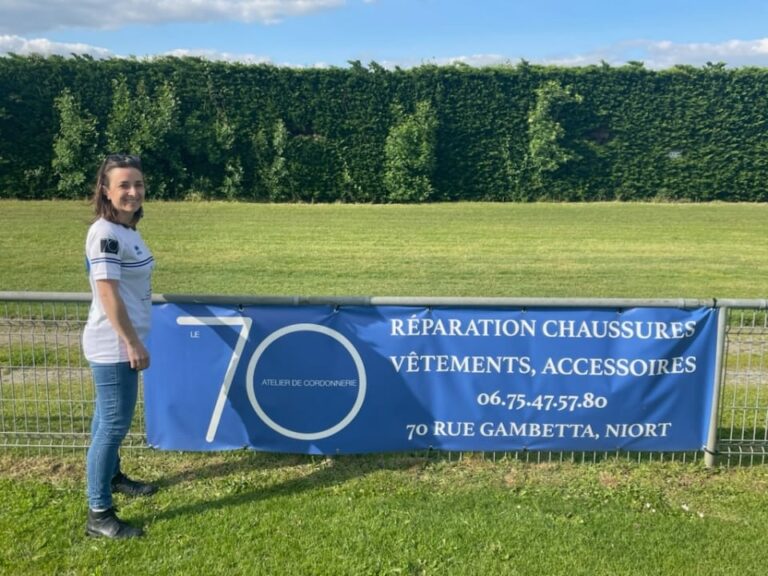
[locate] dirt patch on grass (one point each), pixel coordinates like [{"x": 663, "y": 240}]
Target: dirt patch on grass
[{"x": 45, "y": 468}]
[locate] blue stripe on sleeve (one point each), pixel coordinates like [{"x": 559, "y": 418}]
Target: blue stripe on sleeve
[
  {"x": 140, "y": 264},
  {"x": 106, "y": 260}
]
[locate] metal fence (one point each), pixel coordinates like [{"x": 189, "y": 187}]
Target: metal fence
[{"x": 46, "y": 391}]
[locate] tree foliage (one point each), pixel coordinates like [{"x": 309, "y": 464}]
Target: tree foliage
[
  {"x": 368, "y": 134},
  {"x": 545, "y": 131},
  {"x": 409, "y": 152},
  {"x": 74, "y": 147}
]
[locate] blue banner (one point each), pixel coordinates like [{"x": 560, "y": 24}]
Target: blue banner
[{"x": 357, "y": 379}]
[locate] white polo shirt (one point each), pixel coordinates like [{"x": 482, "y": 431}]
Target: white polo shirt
[{"x": 114, "y": 252}]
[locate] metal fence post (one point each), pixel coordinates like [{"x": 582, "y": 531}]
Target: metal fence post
[{"x": 710, "y": 451}]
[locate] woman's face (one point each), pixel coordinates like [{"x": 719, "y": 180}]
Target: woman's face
[{"x": 126, "y": 192}]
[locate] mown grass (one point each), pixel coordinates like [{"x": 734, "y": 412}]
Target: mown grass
[
  {"x": 247, "y": 513},
  {"x": 250, "y": 513},
  {"x": 527, "y": 250},
  {"x": 21, "y": 354}
]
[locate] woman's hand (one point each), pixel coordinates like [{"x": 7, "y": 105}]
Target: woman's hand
[{"x": 138, "y": 355}]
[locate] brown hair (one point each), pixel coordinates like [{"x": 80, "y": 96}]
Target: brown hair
[{"x": 102, "y": 206}]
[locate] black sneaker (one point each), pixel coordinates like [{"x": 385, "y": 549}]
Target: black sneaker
[
  {"x": 123, "y": 485},
  {"x": 107, "y": 524}
]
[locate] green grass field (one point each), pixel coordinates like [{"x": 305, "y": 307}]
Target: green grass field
[
  {"x": 250, "y": 513},
  {"x": 527, "y": 250}
]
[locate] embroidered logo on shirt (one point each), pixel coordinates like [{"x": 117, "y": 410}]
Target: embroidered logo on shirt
[
  {"x": 138, "y": 250},
  {"x": 109, "y": 246}
]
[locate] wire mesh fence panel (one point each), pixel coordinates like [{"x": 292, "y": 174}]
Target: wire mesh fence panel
[
  {"x": 47, "y": 396},
  {"x": 46, "y": 390},
  {"x": 743, "y": 430}
]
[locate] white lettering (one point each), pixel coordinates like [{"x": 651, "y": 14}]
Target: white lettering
[
  {"x": 619, "y": 366},
  {"x": 479, "y": 327},
  {"x": 454, "y": 428},
  {"x": 414, "y": 362},
  {"x": 616, "y": 329},
  {"x": 638, "y": 430},
  {"x": 536, "y": 430}
]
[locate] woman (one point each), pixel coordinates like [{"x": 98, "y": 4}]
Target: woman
[{"x": 119, "y": 268}]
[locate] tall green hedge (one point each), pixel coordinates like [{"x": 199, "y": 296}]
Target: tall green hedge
[{"x": 258, "y": 132}]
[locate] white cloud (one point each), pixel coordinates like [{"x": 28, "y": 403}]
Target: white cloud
[
  {"x": 477, "y": 60},
  {"x": 665, "y": 54},
  {"x": 25, "y": 16},
  {"x": 654, "y": 54},
  {"x": 733, "y": 52},
  {"x": 215, "y": 56},
  {"x": 27, "y": 46},
  {"x": 43, "y": 47}
]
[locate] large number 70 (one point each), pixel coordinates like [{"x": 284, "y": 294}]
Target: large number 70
[{"x": 245, "y": 328}]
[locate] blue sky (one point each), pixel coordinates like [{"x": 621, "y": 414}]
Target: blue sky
[{"x": 404, "y": 33}]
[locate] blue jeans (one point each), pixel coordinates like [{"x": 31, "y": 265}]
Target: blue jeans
[{"x": 117, "y": 387}]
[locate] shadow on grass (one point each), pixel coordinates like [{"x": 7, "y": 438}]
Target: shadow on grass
[
  {"x": 329, "y": 471},
  {"x": 227, "y": 464}
]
